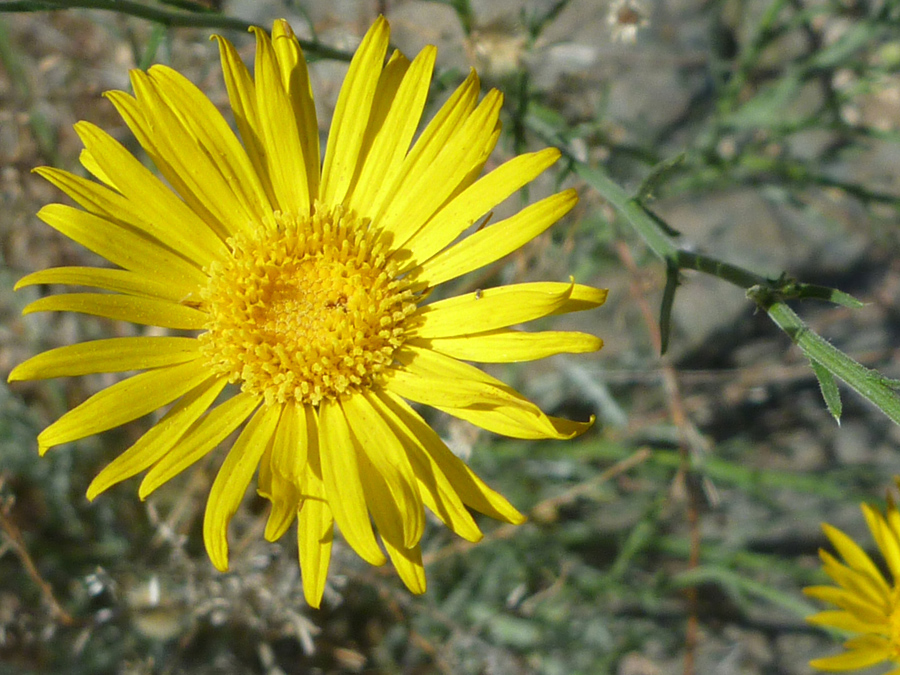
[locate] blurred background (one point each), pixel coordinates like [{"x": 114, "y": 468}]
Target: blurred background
[{"x": 675, "y": 536}]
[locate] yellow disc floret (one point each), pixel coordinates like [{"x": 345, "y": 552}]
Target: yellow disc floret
[{"x": 308, "y": 310}]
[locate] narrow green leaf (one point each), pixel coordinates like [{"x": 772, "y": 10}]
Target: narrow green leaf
[{"x": 829, "y": 389}]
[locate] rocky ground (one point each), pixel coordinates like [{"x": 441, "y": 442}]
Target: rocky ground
[{"x": 792, "y": 166}]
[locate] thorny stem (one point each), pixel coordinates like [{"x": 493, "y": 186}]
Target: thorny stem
[{"x": 167, "y": 18}]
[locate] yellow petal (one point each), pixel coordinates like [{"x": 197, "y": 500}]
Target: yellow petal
[
  {"x": 351, "y": 115},
  {"x": 511, "y": 346},
  {"x": 315, "y": 533},
  {"x": 464, "y": 391},
  {"x": 159, "y": 439},
  {"x": 232, "y": 480},
  {"x": 107, "y": 356},
  {"x": 217, "y": 149},
  {"x": 848, "y": 601},
  {"x": 295, "y": 75},
  {"x": 887, "y": 542},
  {"x": 467, "y": 485},
  {"x": 438, "y": 132},
  {"x": 433, "y": 379},
  {"x": 385, "y": 452},
  {"x": 283, "y": 494},
  {"x": 847, "y": 621},
  {"x": 854, "y": 555},
  {"x": 123, "y": 247},
  {"x": 279, "y": 133},
  {"x": 474, "y": 202},
  {"x": 493, "y": 308},
  {"x": 343, "y": 485},
  {"x": 519, "y": 422},
  {"x": 408, "y": 562},
  {"x": 123, "y": 402},
  {"x": 242, "y": 97},
  {"x": 292, "y": 442},
  {"x": 438, "y": 493},
  {"x": 145, "y": 311},
  {"x": 496, "y": 241},
  {"x": 420, "y": 195},
  {"x": 853, "y": 660},
  {"x": 120, "y": 281},
  {"x": 164, "y": 216},
  {"x": 857, "y": 582},
  {"x": 395, "y": 118},
  {"x": 203, "y": 436}
]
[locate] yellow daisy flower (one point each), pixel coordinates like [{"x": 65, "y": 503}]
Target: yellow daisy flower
[
  {"x": 306, "y": 288},
  {"x": 867, "y": 603}
]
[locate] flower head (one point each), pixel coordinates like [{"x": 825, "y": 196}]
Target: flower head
[
  {"x": 867, "y": 603},
  {"x": 305, "y": 285}
]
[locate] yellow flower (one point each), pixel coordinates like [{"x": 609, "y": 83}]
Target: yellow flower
[
  {"x": 307, "y": 290},
  {"x": 867, "y": 603}
]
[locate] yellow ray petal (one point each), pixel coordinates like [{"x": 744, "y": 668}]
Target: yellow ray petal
[
  {"x": 340, "y": 473},
  {"x": 159, "y": 439},
  {"x": 385, "y": 511},
  {"x": 398, "y": 109},
  {"x": 448, "y": 120},
  {"x": 408, "y": 563},
  {"x": 475, "y": 201},
  {"x": 385, "y": 452},
  {"x": 120, "y": 281},
  {"x": 285, "y": 499},
  {"x": 164, "y": 216},
  {"x": 180, "y": 157},
  {"x": 123, "y": 402},
  {"x": 518, "y": 422},
  {"x": 295, "y": 76},
  {"x": 493, "y": 308},
  {"x": 496, "y": 241},
  {"x": 145, "y": 311},
  {"x": 438, "y": 493},
  {"x": 417, "y": 198},
  {"x": 853, "y": 660},
  {"x": 505, "y": 345},
  {"x": 214, "y": 139},
  {"x": 231, "y": 482},
  {"x": 177, "y": 170},
  {"x": 857, "y": 582},
  {"x": 242, "y": 97},
  {"x": 292, "y": 441},
  {"x": 887, "y": 542},
  {"x": 848, "y": 601},
  {"x": 121, "y": 246},
  {"x": 471, "y": 489},
  {"x": 854, "y": 555},
  {"x": 433, "y": 379},
  {"x": 203, "y": 436},
  {"x": 389, "y": 82},
  {"x": 113, "y": 355},
  {"x": 315, "y": 533},
  {"x": 847, "y": 621},
  {"x": 279, "y": 134},
  {"x": 351, "y": 115}
]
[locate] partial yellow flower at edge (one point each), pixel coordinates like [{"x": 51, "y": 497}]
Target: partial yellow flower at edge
[
  {"x": 868, "y": 604},
  {"x": 306, "y": 284}
]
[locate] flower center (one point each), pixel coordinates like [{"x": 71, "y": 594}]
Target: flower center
[{"x": 304, "y": 311}]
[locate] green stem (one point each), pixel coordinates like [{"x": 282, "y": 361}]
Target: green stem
[
  {"x": 866, "y": 382},
  {"x": 167, "y": 18}
]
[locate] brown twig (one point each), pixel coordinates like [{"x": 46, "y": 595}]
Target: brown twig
[
  {"x": 690, "y": 442},
  {"x": 17, "y": 544}
]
